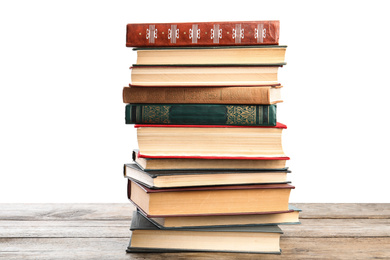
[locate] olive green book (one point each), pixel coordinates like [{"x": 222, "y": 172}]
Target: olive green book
[{"x": 201, "y": 114}]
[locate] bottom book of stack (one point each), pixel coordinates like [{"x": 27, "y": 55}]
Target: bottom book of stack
[
  {"x": 209, "y": 210},
  {"x": 147, "y": 237}
]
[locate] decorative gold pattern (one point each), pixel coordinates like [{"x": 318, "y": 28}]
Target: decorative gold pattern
[
  {"x": 156, "y": 114},
  {"x": 241, "y": 115}
]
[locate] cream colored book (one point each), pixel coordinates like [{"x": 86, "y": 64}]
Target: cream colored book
[
  {"x": 270, "y": 54},
  {"x": 191, "y": 75},
  {"x": 210, "y": 142}
]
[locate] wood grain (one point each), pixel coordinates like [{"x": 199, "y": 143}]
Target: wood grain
[
  {"x": 113, "y": 248},
  {"x": 101, "y": 231}
]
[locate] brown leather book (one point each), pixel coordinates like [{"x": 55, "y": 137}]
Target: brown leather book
[
  {"x": 226, "y": 33},
  {"x": 215, "y": 200},
  {"x": 264, "y": 95}
]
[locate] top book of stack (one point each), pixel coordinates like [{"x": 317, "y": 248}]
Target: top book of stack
[{"x": 241, "y": 33}]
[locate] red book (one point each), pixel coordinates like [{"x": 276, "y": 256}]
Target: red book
[{"x": 228, "y": 33}]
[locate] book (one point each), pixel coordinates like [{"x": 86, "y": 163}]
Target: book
[
  {"x": 198, "y": 201},
  {"x": 211, "y": 142},
  {"x": 158, "y": 164},
  {"x": 240, "y": 95},
  {"x": 232, "y": 55},
  {"x": 290, "y": 217},
  {"x": 202, "y": 33},
  {"x": 146, "y": 237},
  {"x": 201, "y": 114},
  {"x": 192, "y": 178},
  {"x": 192, "y": 75}
]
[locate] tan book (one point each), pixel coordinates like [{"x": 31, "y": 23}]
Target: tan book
[
  {"x": 210, "y": 142},
  {"x": 143, "y": 75},
  {"x": 190, "y": 178},
  {"x": 274, "y": 54},
  {"x": 256, "y": 95},
  {"x": 289, "y": 217},
  {"x": 198, "y": 201},
  {"x": 157, "y": 164}
]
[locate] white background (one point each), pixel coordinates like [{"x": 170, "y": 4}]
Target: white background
[{"x": 64, "y": 63}]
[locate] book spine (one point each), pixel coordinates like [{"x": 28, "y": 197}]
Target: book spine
[
  {"x": 203, "y": 34},
  {"x": 204, "y": 95},
  {"x": 201, "y": 114}
]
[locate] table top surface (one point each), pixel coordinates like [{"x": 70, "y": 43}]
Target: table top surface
[{"x": 101, "y": 231}]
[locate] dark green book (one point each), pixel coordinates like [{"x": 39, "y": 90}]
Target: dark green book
[
  {"x": 201, "y": 114},
  {"x": 146, "y": 237}
]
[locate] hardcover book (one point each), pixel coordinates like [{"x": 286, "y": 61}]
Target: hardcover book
[
  {"x": 158, "y": 164},
  {"x": 192, "y": 178},
  {"x": 240, "y": 95},
  {"x": 192, "y": 75},
  {"x": 255, "y": 55},
  {"x": 290, "y": 217},
  {"x": 210, "y": 142},
  {"x": 201, "y": 114},
  {"x": 146, "y": 237},
  {"x": 202, "y": 33},
  {"x": 214, "y": 200}
]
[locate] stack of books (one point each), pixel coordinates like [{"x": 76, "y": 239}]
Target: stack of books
[{"x": 209, "y": 173}]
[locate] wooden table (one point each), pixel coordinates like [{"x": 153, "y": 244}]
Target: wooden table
[{"x": 101, "y": 231}]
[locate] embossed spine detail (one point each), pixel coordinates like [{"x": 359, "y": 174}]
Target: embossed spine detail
[
  {"x": 155, "y": 114},
  {"x": 216, "y": 33},
  {"x": 173, "y": 33},
  {"x": 151, "y": 33},
  {"x": 194, "y": 33},
  {"x": 238, "y": 33},
  {"x": 260, "y": 33},
  {"x": 241, "y": 115}
]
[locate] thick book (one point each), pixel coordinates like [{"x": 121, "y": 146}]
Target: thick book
[
  {"x": 201, "y": 114},
  {"x": 290, "y": 217},
  {"x": 177, "y": 164},
  {"x": 269, "y": 54},
  {"x": 146, "y": 237},
  {"x": 241, "y": 95},
  {"x": 210, "y": 141},
  {"x": 210, "y": 200},
  {"x": 192, "y": 178},
  {"x": 204, "y": 75},
  {"x": 224, "y": 33}
]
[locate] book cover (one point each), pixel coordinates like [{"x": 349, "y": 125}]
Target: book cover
[
  {"x": 140, "y": 222},
  {"x": 210, "y": 200},
  {"x": 222, "y": 55},
  {"x": 148, "y": 238},
  {"x": 175, "y": 164},
  {"x": 202, "y": 114},
  {"x": 240, "y": 95},
  {"x": 290, "y": 217},
  {"x": 187, "y": 178},
  {"x": 218, "y": 142},
  {"x": 202, "y": 33},
  {"x": 205, "y": 75}
]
